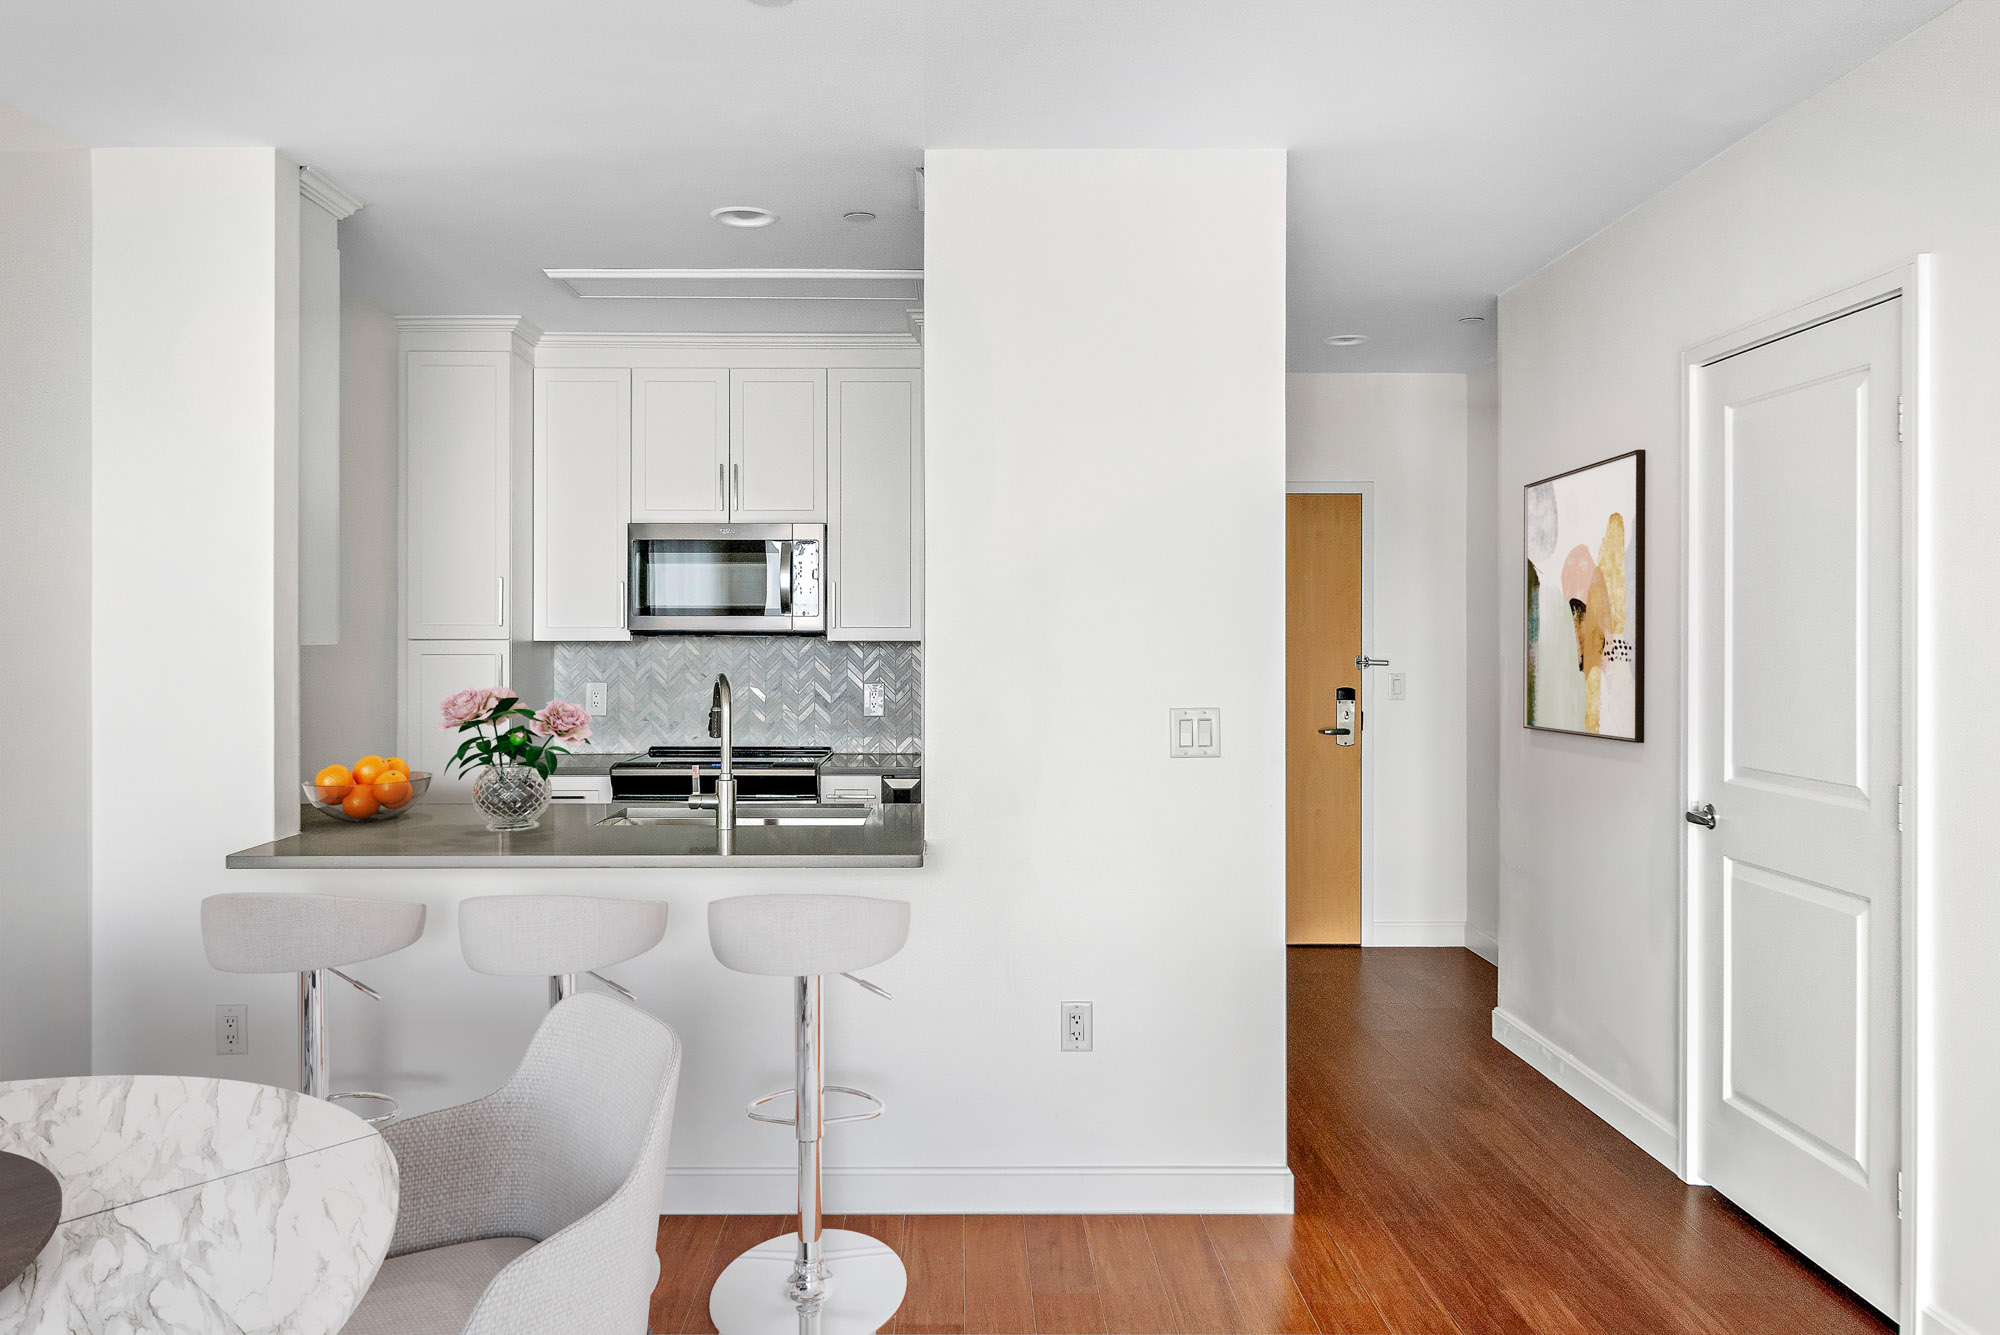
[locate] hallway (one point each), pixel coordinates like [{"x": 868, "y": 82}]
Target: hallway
[{"x": 1443, "y": 1188}]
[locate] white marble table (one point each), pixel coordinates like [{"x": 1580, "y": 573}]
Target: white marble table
[{"x": 197, "y": 1206}]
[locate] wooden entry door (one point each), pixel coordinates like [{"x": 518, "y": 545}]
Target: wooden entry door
[{"x": 1322, "y": 779}]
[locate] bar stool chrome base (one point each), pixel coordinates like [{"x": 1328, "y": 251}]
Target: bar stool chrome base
[{"x": 865, "y": 1285}]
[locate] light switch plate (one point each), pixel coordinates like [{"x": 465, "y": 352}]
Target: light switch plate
[
  {"x": 1397, "y": 690},
  {"x": 596, "y": 699},
  {"x": 873, "y": 697},
  {"x": 1194, "y": 732}
]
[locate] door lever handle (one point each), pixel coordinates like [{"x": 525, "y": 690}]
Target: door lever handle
[
  {"x": 1364, "y": 661},
  {"x": 1334, "y": 732},
  {"x": 1702, "y": 814}
]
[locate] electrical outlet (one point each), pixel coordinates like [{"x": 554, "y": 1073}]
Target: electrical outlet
[
  {"x": 1076, "y": 1026},
  {"x": 596, "y": 699},
  {"x": 874, "y": 696},
  {"x": 232, "y": 1030},
  {"x": 1396, "y": 688}
]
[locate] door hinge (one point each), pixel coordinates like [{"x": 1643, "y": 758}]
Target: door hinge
[
  {"x": 1899, "y": 808},
  {"x": 1899, "y": 1193},
  {"x": 1902, "y": 420}
]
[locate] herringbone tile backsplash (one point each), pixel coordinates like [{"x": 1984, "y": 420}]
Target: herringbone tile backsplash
[{"x": 788, "y": 690}]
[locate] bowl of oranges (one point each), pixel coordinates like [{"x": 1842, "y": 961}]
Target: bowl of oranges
[{"x": 375, "y": 788}]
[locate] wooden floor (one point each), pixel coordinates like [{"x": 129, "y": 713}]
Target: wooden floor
[{"x": 1444, "y": 1188}]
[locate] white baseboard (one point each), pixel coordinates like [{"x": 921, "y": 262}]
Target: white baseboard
[
  {"x": 1248, "y": 1189},
  {"x": 1626, "y": 1115},
  {"x": 1933, "y": 1322},
  {"x": 1483, "y": 944},
  {"x": 1415, "y": 934}
]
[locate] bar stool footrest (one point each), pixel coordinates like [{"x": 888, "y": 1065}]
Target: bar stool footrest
[
  {"x": 391, "y": 1108},
  {"x": 876, "y": 1107}
]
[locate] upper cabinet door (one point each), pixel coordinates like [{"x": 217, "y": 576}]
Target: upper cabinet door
[
  {"x": 680, "y": 446},
  {"x": 876, "y": 464},
  {"x": 456, "y": 436},
  {"x": 777, "y": 446},
  {"x": 583, "y": 443}
]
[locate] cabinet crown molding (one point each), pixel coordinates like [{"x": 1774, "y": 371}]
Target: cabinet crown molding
[
  {"x": 316, "y": 187},
  {"x": 491, "y": 332},
  {"x": 692, "y": 340}
]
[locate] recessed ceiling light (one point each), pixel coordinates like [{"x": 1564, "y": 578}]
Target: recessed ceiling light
[
  {"x": 859, "y": 215},
  {"x": 1472, "y": 319},
  {"x": 1346, "y": 340},
  {"x": 743, "y": 215}
]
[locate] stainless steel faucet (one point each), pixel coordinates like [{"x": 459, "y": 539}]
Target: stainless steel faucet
[{"x": 722, "y": 724}]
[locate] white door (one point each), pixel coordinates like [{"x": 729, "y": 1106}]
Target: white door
[
  {"x": 680, "y": 446},
  {"x": 583, "y": 444},
  {"x": 875, "y": 452},
  {"x": 456, "y": 439},
  {"x": 777, "y": 446},
  {"x": 436, "y": 670},
  {"x": 1796, "y": 740}
]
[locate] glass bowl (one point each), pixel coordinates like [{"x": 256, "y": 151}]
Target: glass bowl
[{"x": 333, "y": 798}]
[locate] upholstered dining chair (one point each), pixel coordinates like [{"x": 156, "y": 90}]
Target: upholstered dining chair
[{"x": 536, "y": 1208}]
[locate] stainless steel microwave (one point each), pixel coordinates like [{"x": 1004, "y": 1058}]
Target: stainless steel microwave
[{"x": 724, "y": 579}]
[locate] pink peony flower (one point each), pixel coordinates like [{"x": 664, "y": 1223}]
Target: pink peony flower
[
  {"x": 562, "y": 720},
  {"x": 469, "y": 705}
]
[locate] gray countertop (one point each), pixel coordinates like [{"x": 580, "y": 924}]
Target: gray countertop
[{"x": 455, "y": 835}]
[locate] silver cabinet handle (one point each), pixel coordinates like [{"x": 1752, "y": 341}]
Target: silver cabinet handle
[
  {"x": 624, "y": 600},
  {"x": 722, "y": 487},
  {"x": 736, "y": 487},
  {"x": 1702, "y": 814},
  {"x": 500, "y": 602}
]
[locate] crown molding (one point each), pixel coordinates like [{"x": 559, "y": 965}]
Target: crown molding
[
  {"x": 694, "y": 340},
  {"x": 327, "y": 195},
  {"x": 916, "y": 319},
  {"x": 467, "y": 331}
]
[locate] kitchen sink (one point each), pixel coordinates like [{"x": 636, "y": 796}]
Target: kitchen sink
[{"x": 759, "y": 813}]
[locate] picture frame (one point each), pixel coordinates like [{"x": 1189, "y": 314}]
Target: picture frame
[{"x": 1584, "y": 607}]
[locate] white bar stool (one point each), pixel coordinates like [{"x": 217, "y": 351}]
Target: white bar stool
[
  {"x": 557, "y": 936},
  {"x": 817, "y": 1281},
  {"x": 310, "y": 935}
]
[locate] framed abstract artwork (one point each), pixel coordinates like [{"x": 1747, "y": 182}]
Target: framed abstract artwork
[{"x": 1585, "y": 540}]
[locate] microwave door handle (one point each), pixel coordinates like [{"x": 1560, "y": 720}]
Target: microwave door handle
[{"x": 786, "y": 550}]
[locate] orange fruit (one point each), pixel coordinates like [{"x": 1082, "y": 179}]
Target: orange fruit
[
  {"x": 369, "y": 768},
  {"x": 333, "y": 781},
  {"x": 396, "y": 762},
  {"x": 360, "y": 802},
  {"x": 392, "y": 787}
]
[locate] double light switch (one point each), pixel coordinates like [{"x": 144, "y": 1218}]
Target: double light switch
[{"x": 1194, "y": 732}]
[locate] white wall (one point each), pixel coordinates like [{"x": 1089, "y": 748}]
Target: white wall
[
  {"x": 1074, "y": 394},
  {"x": 1483, "y": 710},
  {"x": 1899, "y": 157},
  {"x": 44, "y": 600},
  {"x": 194, "y": 338},
  {"x": 1405, "y": 434},
  {"x": 347, "y": 690}
]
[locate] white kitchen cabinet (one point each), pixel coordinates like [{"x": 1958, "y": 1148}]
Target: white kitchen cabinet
[
  {"x": 458, "y": 435},
  {"x": 875, "y": 466},
  {"x": 777, "y": 446},
  {"x": 680, "y": 445},
  {"x": 583, "y": 449},
  {"x": 435, "y": 670}
]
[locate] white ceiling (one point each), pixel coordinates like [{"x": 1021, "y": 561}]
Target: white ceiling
[{"x": 1441, "y": 149}]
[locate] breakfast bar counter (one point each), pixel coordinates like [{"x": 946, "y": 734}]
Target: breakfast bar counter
[{"x": 574, "y": 835}]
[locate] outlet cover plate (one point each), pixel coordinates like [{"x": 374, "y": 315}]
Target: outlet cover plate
[
  {"x": 596, "y": 699},
  {"x": 232, "y": 1030},
  {"x": 874, "y": 697},
  {"x": 1077, "y": 1026}
]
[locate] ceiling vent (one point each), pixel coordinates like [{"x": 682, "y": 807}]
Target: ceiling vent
[{"x": 904, "y": 285}]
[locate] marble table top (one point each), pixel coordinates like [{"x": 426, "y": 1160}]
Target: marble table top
[{"x": 197, "y": 1205}]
